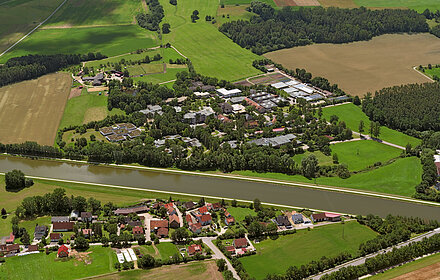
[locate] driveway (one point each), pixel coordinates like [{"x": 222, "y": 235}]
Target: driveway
[{"x": 217, "y": 254}]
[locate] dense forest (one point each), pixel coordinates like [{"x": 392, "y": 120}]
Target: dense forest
[
  {"x": 152, "y": 19},
  {"x": 33, "y": 66},
  {"x": 414, "y": 106},
  {"x": 277, "y": 29}
]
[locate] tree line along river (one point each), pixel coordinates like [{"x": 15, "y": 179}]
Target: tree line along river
[{"x": 221, "y": 187}]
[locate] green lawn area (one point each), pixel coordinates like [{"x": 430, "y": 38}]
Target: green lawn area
[
  {"x": 239, "y": 213},
  {"x": 5, "y": 226},
  {"x": 86, "y": 108},
  {"x": 145, "y": 68},
  {"x": 167, "y": 250},
  {"x": 223, "y": 59},
  {"x": 42, "y": 266},
  {"x": 398, "y": 178},
  {"x": 406, "y": 268},
  {"x": 71, "y": 134},
  {"x": 109, "y": 40},
  {"x": 418, "y": 5},
  {"x": 160, "y": 78},
  {"x": 358, "y": 155},
  {"x": 435, "y": 71},
  {"x": 322, "y": 159},
  {"x": 275, "y": 256},
  {"x": 352, "y": 115},
  {"x": 29, "y": 225},
  {"x": 97, "y": 12},
  {"x": 19, "y": 17}
]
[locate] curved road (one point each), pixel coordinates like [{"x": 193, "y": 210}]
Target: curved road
[{"x": 301, "y": 197}]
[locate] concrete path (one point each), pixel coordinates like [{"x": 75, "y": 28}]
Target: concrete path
[
  {"x": 179, "y": 214},
  {"x": 217, "y": 254},
  {"x": 362, "y": 260}
]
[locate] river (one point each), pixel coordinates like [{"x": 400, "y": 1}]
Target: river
[{"x": 221, "y": 187}]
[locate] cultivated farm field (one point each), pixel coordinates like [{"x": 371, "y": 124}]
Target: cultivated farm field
[
  {"x": 365, "y": 66},
  {"x": 32, "y": 110},
  {"x": 109, "y": 40},
  {"x": 96, "y": 12},
  {"x": 19, "y": 17},
  {"x": 211, "y": 52},
  {"x": 275, "y": 256},
  {"x": 418, "y": 5}
]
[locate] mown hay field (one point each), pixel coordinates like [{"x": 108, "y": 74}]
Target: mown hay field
[
  {"x": 32, "y": 110},
  {"x": 367, "y": 66}
]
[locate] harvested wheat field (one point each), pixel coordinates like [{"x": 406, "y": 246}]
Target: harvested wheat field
[
  {"x": 32, "y": 110},
  {"x": 367, "y": 66},
  {"x": 339, "y": 3},
  {"x": 430, "y": 272}
]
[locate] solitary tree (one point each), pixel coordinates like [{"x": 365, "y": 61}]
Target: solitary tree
[
  {"x": 221, "y": 264},
  {"x": 15, "y": 180},
  {"x": 361, "y": 126},
  {"x": 257, "y": 204},
  {"x": 335, "y": 158},
  {"x": 81, "y": 243},
  {"x": 25, "y": 238},
  {"x": 179, "y": 235},
  {"x": 309, "y": 166},
  {"x": 147, "y": 261},
  {"x": 3, "y": 212},
  {"x": 166, "y": 28}
]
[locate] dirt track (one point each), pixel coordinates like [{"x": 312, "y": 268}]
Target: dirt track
[
  {"x": 32, "y": 110},
  {"x": 366, "y": 66}
]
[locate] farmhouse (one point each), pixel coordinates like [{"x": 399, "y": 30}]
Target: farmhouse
[
  {"x": 331, "y": 217},
  {"x": 63, "y": 226},
  {"x": 7, "y": 239},
  {"x": 10, "y": 249},
  {"x": 283, "y": 221},
  {"x": 162, "y": 232},
  {"x": 32, "y": 248},
  {"x": 194, "y": 249}
]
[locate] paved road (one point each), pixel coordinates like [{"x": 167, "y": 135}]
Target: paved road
[
  {"x": 217, "y": 254},
  {"x": 362, "y": 260}
]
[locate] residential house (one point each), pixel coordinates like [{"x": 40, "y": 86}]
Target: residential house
[
  {"x": 158, "y": 226},
  {"x": 86, "y": 217},
  {"x": 226, "y": 108},
  {"x": 205, "y": 219},
  {"x": 225, "y": 93},
  {"x": 32, "y": 248},
  {"x": 194, "y": 249},
  {"x": 283, "y": 221},
  {"x": 229, "y": 220},
  {"x": 230, "y": 249},
  {"x": 55, "y": 237},
  {"x": 170, "y": 208},
  {"x": 195, "y": 228},
  {"x": 297, "y": 218},
  {"x": 63, "y": 252},
  {"x": 189, "y": 205},
  {"x": 321, "y": 217},
  {"x": 62, "y": 226},
  {"x": 138, "y": 230},
  {"x": 240, "y": 243},
  {"x": 10, "y": 249},
  {"x": 174, "y": 221},
  {"x": 214, "y": 206},
  {"x": 87, "y": 232},
  {"x": 188, "y": 218},
  {"x": 203, "y": 210},
  {"x": 162, "y": 232},
  {"x": 40, "y": 232}
]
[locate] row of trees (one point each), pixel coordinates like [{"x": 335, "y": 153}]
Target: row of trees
[
  {"x": 276, "y": 29},
  {"x": 152, "y": 19},
  {"x": 413, "y": 106},
  {"x": 33, "y": 66}
]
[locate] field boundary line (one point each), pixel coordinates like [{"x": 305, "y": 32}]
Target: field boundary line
[
  {"x": 35, "y": 28},
  {"x": 423, "y": 74},
  {"x": 171, "y": 193},
  {"x": 260, "y": 180}
]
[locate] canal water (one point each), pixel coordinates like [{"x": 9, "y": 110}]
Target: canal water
[{"x": 222, "y": 187}]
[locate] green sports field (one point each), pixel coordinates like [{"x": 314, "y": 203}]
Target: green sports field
[
  {"x": 352, "y": 115},
  {"x": 358, "y": 155},
  {"x": 42, "y": 266},
  {"x": 398, "y": 178},
  {"x": 96, "y": 12},
  {"x": 109, "y": 40},
  {"x": 275, "y": 256},
  {"x": 86, "y": 108},
  {"x": 211, "y": 52},
  {"x": 418, "y": 5}
]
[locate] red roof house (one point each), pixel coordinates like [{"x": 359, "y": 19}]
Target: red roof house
[
  {"x": 205, "y": 219},
  {"x": 240, "y": 243},
  {"x": 203, "y": 210},
  {"x": 63, "y": 251},
  {"x": 174, "y": 221},
  {"x": 194, "y": 249},
  {"x": 138, "y": 230},
  {"x": 162, "y": 232},
  {"x": 11, "y": 239}
]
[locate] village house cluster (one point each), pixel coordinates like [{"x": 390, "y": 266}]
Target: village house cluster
[{"x": 120, "y": 132}]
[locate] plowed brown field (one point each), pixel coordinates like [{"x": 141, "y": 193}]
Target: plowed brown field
[{"x": 32, "y": 110}]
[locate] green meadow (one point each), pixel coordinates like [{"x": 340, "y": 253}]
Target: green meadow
[
  {"x": 42, "y": 266},
  {"x": 245, "y": 2},
  {"x": 418, "y": 5},
  {"x": 352, "y": 115},
  {"x": 435, "y": 71},
  {"x": 109, "y": 40},
  {"x": 85, "y": 108},
  {"x": 240, "y": 213},
  {"x": 96, "y": 12},
  {"x": 399, "y": 178},
  {"x": 358, "y": 155},
  {"x": 211, "y": 52},
  {"x": 275, "y": 256},
  {"x": 18, "y": 17}
]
